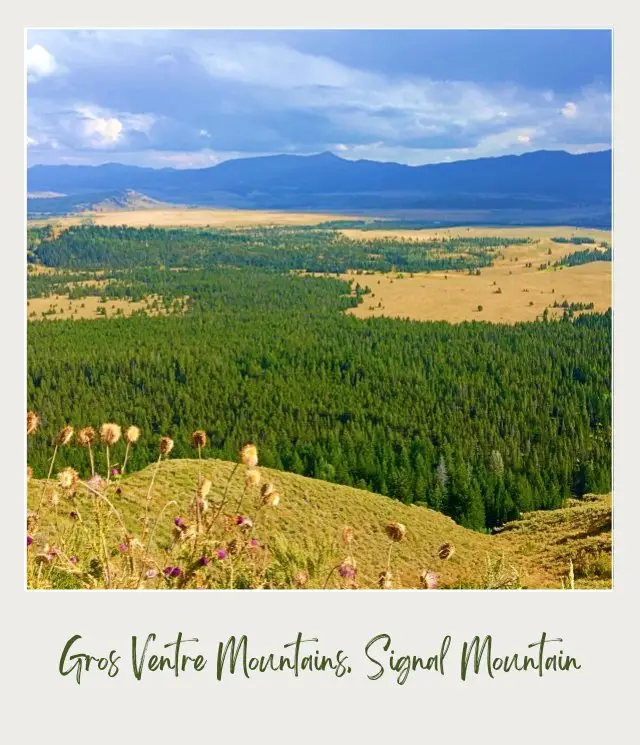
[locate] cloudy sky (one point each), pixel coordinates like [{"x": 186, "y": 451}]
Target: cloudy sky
[{"x": 193, "y": 98}]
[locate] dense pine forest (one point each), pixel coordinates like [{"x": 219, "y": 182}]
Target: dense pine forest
[{"x": 476, "y": 420}]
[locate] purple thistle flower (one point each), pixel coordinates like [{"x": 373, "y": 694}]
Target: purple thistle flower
[
  {"x": 244, "y": 521},
  {"x": 176, "y": 572},
  {"x": 221, "y": 554},
  {"x": 96, "y": 482},
  {"x": 203, "y": 561},
  {"x": 29, "y": 541},
  {"x": 73, "y": 559},
  {"x": 115, "y": 471},
  {"x": 123, "y": 547},
  {"x": 167, "y": 571},
  {"x": 347, "y": 570},
  {"x": 254, "y": 543},
  {"x": 180, "y": 523}
]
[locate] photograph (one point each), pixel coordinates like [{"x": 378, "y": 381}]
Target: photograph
[{"x": 318, "y": 309}]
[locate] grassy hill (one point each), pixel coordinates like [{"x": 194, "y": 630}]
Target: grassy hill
[{"x": 303, "y": 533}]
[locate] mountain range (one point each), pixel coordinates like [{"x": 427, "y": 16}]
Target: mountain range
[{"x": 547, "y": 186}]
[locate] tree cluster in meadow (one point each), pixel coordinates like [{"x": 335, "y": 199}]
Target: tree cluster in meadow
[
  {"x": 478, "y": 421},
  {"x": 269, "y": 249}
]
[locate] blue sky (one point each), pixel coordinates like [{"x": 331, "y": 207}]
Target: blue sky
[{"x": 194, "y": 98}]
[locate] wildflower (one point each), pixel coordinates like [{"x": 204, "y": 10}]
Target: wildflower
[
  {"x": 204, "y": 487},
  {"x": 429, "y": 580},
  {"x": 300, "y": 579},
  {"x": 151, "y": 573},
  {"x": 73, "y": 559},
  {"x": 123, "y": 548},
  {"x": 180, "y": 523},
  {"x": 385, "y": 580},
  {"x": 204, "y": 561},
  {"x": 33, "y": 420},
  {"x": 96, "y": 483},
  {"x": 253, "y": 477},
  {"x": 446, "y": 551},
  {"x": 115, "y": 471},
  {"x": 166, "y": 445},
  {"x": 29, "y": 541},
  {"x": 347, "y": 570},
  {"x": 67, "y": 478},
  {"x": 131, "y": 435},
  {"x": 86, "y": 437},
  {"x": 243, "y": 521},
  {"x": 44, "y": 558},
  {"x": 198, "y": 439},
  {"x": 172, "y": 571},
  {"x": 347, "y": 536},
  {"x": 254, "y": 543},
  {"x": 64, "y": 436},
  {"x": 249, "y": 455},
  {"x": 396, "y": 531},
  {"x": 221, "y": 554},
  {"x": 110, "y": 433},
  {"x": 53, "y": 498}
]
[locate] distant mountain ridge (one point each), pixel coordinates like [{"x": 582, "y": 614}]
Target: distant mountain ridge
[{"x": 537, "y": 182}]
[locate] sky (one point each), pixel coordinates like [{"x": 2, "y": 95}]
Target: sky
[{"x": 191, "y": 99}]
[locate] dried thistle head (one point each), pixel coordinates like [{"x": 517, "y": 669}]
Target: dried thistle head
[
  {"x": 198, "y": 439},
  {"x": 300, "y": 579},
  {"x": 204, "y": 487},
  {"x": 64, "y": 436},
  {"x": 132, "y": 434},
  {"x": 53, "y": 498},
  {"x": 252, "y": 477},
  {"x": 67, "y": 478},
  {"x": 203, "y": 506},
  {"x": 396, "y": 531},
  {"x": 110, "y": 433},
  {"x": 267, "y": 489},
  {"x": 166, "y": 445},
  {"x": 446, "y": 551},
  {"x": 33, "y": 520},
  {"x": 429, "y": 580},
  {"x": 347, "y": 535},
  {"x": 272, "y": 499},
  {"x": 249, "y": 455},
  {"x": 86, "y": 437},
  {"x": 385, "y": 580},
  {"x": 33, "y": 420}
]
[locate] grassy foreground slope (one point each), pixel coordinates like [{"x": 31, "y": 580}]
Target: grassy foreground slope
[{"x": 303, "y": 532}]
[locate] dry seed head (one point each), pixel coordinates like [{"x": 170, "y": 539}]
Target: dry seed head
[
  {"x": 110, "y": 433},
  {"x": 249, "y": 455},
  {"x": 347, "y": 535},
  {"x": 33, "y": 420},
  {"x": 86, "y": 437},
  {"x": 203, "y": 505},
  {"x": 300, "y": 579},
  {"x": 198, "y": 439},
  {"x": 253, "y": 477},
  {"x": 53, "y": 498},
  {"x": 64, "y": 436},
  {"x": 267, "y": 489},
  {"x": 446, "y": 551},
  {"x": 166, "y": 445},
  {"x": 429, "y": 580},
  {"x": 67, "y": 478},
  {"x": 272, "y": 499},
  {"x": 396, "y": 531},
  {"x": 385, "y": 580},
  {"x": 33, "y": 520},
  {"x": 204, "y": 487},
  {"x": 132, "y": 434}
]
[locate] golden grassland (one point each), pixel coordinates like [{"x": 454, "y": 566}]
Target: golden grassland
[
  {"x": 192, "y": 218},
  {"x": 303, "y": 532},
  {"x": 61, "y": 307},
  {"x": 509, "y": 291}
]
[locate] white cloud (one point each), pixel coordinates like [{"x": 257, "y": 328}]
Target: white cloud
[
  {"x": 40, "y": 63},
  {"x": 100, "y": 131},
  {"x": 569, "y": 110},
  {"x": 524, "y": 138},
  {"x": 31, "y": 141}
]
